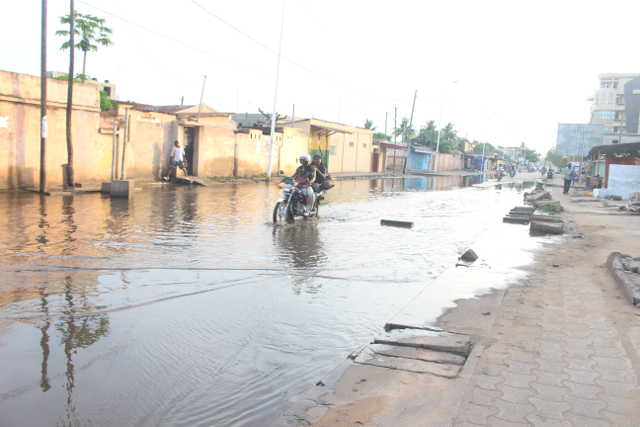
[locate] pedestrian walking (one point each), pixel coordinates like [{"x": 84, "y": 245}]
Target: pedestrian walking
[{"x": 569, "y": 175}]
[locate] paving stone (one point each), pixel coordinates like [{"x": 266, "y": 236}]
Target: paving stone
[
  {"x": 538, "y": 421},
  {"x": 613, "y": 363},
  {"x": 497, "y": 422},
  {"x": 581, "y": 364},
  {"x": 552, "y": 366},
  {"x": 579, "y": 421},
  {"x": 623, "y": 406},
  {"x": 622, "y": 376},
  {"x": 585, "y": 407},
  {"x": 518, "y": 380},
  {"x": 584, "y": 391},
  {"x": 516, "y": 412},
  {"x": 477, "y": 414},
  {"x": 487, "y": 382},
  {"x": 520, "y": 355},
  {"x": 613, "y": 388},
  {"x": 548, "y": 408},
  {"x": 490, "y": 368},
  {"x": 515, "y": 394},
  {"x": 484, "y": 397},
  {"x": 550, "y": 392},
  {"x": 550, "y": 378},
  {"x": 620, "y": 420},
  {"x": 581, "y": 377}
]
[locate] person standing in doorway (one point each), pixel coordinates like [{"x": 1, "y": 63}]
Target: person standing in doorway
[{"x": 176, "y": 160}]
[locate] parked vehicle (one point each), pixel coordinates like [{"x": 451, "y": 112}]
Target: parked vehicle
[
  {"x": 550, "y": 173},
  {"x": 292, "y": 203},
  {"x": 499, "y": 175}
]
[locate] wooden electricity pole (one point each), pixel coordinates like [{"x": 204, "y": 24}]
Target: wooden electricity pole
[{"x": 43, "y": 100}]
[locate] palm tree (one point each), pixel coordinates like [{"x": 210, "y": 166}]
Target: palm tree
[
  {"x": 405, "y": 129},
  {"x": 92, "y": 32},
  {"x": 368, "y": 124}
]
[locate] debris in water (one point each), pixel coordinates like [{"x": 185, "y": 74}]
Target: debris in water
[{"x": 394, "y": 223}]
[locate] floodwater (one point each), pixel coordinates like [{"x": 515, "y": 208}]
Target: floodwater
[{"x": 187, "y": 307}]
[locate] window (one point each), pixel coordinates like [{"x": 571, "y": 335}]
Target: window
[
  {"x": 332, "y": 150},
  {"x": 603, "y": 115},
  {"x": 351, "y": 144},
  {"x": 619, "y": 99},
  {"x": 619, "y": 115},
  {"x": 364, "y": 145}
]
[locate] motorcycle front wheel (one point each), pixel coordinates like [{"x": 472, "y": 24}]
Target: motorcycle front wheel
[{"x": 280, "y": 214}]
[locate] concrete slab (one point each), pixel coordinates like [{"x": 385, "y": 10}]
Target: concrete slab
[
  {"x": 450, "y": 343},
  {"x": 417, "y": 354},
  {"x": 408, "y": 365},
  {"x": 625, "y": 271}
]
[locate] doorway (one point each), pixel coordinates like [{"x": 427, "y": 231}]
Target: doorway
[{"x": 190, "y": 149}]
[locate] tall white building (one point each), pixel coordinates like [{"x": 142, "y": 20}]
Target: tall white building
[{"x": 607, "y": 106}]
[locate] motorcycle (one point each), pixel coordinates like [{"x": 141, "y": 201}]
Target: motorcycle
[
  {"x": 293, "y": 202},
  {"x": 500, "y": 175},
  {"x": 549, "y": 174}
]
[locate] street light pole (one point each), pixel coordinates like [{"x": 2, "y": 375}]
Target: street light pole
[{"x": 275, "y": 95}]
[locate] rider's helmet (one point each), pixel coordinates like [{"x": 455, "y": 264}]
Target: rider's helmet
[{"x": 303, "y": 158}]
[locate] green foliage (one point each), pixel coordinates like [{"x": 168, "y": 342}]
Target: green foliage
[
  {"x": 105, "y": 102},
  {"x": 79, "y": 78},
  {"x": 549, "y": 207},
  {"x": 405, "y": 130},
  {"x": 555, "y": 159},
  {"x": 91, "y": 32},
  {"x": 531, "y": 155},
  {"x": 368, "y": 124},
  {"x": 381, "y": 135},
  {"x": 427, "y": 135},
  {"x": 488, "y": 148}
]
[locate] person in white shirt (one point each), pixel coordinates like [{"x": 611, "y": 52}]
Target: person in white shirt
[{"x": 176, "y": 159}]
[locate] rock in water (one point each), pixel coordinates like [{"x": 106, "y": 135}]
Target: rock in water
[{"x": 469, "y": 255}]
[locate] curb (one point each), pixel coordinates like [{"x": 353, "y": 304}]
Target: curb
[{"x": 624, "y": 278}]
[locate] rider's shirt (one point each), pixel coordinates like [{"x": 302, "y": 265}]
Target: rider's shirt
[{"x": 303, "y": 174}]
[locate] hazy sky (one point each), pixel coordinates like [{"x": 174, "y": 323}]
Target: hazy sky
[{"x": 521, "y": 66}]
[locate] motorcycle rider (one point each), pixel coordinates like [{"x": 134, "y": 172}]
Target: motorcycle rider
[{"x": 304, "y": 177}]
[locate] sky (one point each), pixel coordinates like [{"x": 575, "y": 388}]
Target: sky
[{"x": 503, "y": 72}]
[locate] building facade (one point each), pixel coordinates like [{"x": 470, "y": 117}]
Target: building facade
[
  {"x": 632, "y": 106},
  {"x": 576, "y": 139},
  {"x": 608, "y": 102}
]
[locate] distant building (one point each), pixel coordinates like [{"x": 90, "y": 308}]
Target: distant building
[
  {"x": 576, "y": 139},
  {"x": 632, "y": 106},
  {"x": 608, "y": 102}
]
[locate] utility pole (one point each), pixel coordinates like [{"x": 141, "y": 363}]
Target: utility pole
[
  {"x": 204, "y": 82},
  {"x": 43, "y": 100},
  {"x": 413, "y": 107},
  {"x": 395, "y": 123},
  {"x": 293, "y": 112},
  {"x": 385, "y": 123},
  {"x": 275, "y": 95},
  {"x": 484, "y": 145},
  {"x": 72, "y": 49}
]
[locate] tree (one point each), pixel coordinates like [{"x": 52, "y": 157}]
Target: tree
[
  {"x": 531, "y": 156},
  {"x": 368, "y": 124},
  {"x": 91, "y": 31},
  {"x": 381, "y": 135},
  {"x": 405, "y": 130},
  {"x": 427, "y": 135},
  {"x": 449, "y": 140},
  {"x": 555, "y": 159}
]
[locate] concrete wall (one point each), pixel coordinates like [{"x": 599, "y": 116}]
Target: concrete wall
[
  {"x": 449, "y": 161},
  {"x": 20, "y": 131}
]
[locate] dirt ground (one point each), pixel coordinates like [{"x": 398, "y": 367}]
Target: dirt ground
[{"x": 560, "y": 347}]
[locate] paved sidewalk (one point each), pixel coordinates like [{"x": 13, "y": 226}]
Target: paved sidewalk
[{"x": 564, "y": 349}]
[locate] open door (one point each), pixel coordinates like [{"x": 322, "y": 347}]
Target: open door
[{"x": 190, "y": 150}]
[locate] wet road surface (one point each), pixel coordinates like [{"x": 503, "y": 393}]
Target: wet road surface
[{"x": 186, "y": 307}]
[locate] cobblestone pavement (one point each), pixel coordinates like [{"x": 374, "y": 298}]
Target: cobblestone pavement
[{"x": 564, "y": 346}]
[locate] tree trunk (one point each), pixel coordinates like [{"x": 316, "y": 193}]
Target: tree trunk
[
  {"x": 84, "y": 64},
  {"x": 72, "y": 49}
]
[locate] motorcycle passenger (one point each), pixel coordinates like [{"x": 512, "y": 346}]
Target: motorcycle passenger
[
  {"x": 323, "y": 180},
  {"x": 304, "y": 177}
]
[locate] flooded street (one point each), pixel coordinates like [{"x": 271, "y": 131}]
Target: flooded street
[{"x": 187, "y": 307}]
